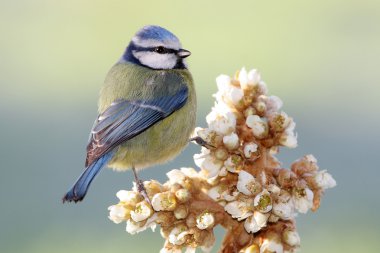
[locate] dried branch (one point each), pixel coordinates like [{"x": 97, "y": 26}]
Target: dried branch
[{"x": 241, "y": 184}]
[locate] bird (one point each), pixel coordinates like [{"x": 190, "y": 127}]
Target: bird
[{"x": 146, "y": 110}]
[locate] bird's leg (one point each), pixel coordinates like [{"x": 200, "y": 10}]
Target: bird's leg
[
  {"x": 140, "y": 186},
  {"x": 201, "y": 142}
]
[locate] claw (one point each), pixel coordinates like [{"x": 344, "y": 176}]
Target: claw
[
  {"x": 141, "y": 189},
  {"x": 140, "y": 186},
  {"x": 202, "y": 142}
]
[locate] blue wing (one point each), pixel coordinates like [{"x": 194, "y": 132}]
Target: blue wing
[{"x": 125, "y": 119}]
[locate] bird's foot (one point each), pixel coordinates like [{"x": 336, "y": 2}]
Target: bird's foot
[
  {"x": 141, "y": 189},
  {"x": 201, "y": 142}
]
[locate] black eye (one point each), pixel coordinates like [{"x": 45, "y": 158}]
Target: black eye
[{"x": 159, "y": 50}]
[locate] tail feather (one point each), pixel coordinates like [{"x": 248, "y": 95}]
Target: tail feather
[{"x": 79, "y": 189}]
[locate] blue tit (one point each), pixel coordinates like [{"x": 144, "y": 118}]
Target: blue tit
[{"x": 147, "y": 109}]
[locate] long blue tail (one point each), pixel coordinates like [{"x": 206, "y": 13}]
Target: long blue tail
[{"x": 79, "y": 189}]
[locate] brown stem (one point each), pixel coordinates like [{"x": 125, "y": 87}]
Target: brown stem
[{"x": 236, "y": 237}]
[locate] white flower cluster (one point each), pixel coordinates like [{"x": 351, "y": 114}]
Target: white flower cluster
[
  {"x": 245, "y": 129},
  {"x": 170, "y": 208},
  {"x": 241, "y": 185},
  {"x": 133, "y": 209},
  {"x": 243, "y": 119}
]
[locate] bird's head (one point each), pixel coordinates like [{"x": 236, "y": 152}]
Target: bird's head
[{"x": 156, "y": 48}]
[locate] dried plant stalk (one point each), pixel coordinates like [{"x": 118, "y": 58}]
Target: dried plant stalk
[{"x": 241, "y": 185}]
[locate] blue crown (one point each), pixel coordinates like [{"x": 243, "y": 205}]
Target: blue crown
[{"x": 155, "y": 32}]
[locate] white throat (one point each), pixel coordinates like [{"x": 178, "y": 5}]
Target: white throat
[{"x": 155, "y": 60}]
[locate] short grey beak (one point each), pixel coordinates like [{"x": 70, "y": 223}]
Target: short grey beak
[{"x": 183, "y": 53}]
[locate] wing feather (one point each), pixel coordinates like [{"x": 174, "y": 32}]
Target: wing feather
[{"x": 124, "y": 119}]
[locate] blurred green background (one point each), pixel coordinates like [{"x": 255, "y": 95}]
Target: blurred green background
[{"x": 321, "y": 57}]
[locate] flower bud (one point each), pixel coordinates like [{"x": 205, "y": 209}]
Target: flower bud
[
  {"x": 141, "y": 212},
  {"x": 247, "y": 184},
  {"x": 284, "y": 210},
  {"x": 181, "y": 212},
  {"x": 255, "y": 222},
  {"x": 262, "y": 88},
  {"x": 134, "y": 227},
  {"x": 249, "y": 149},
  {"x": 221, "y": 154},
  {"x": 324, "y": 180},
  {"x": 272, "y": 243},
  {"x": 118, "y": 213},
  {"x": 234, "y": 163},
  {"x": 253, "y": 77},
  {"x": 164, "y": 201},
  {"x": 209, "y": 164},
  {"x": 260, "y": 107},
  {"x": 287, "y": 140},
  {"x": 243, "y": 78},
  {"x": 221, "y": 123},
  {"x": 183, "y": 195},
  {"x": 235, "y": 95},
  {"x": 279, "y": 122},
  {"x": 130, "y": 197},
  {"x": 152, "y": 187},
  {"x": 259, "y": 127},
  {"x": 178, "y": 235},
  {"x": 273, "y": 104},
  {"x": 273, "y": 218},
  {"x": 223, "y": 81},
  {"x": 175, "y": 176},
  {"x": 205, "y": 220},
  {"x": 231, "y": 141},
  {"x": 274, "y": 189},
  {"x": 263, "y": 202},
  {"x": 303, "y": 199},
  {"x": 238, "y": 209},
  {"x": 291, "y": 237}
]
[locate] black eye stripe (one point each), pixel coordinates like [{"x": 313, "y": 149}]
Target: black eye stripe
[
  {"x": 153, "y": 49},
  {"x": 162, "y": 50}
]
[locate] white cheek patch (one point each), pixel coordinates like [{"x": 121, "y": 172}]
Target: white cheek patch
[
  {"x": 174, "y": 44},
  {"x": 155, "y": 60}
]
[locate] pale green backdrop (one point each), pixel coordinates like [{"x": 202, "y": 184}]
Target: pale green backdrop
[{"x": 321, "y": 57}]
